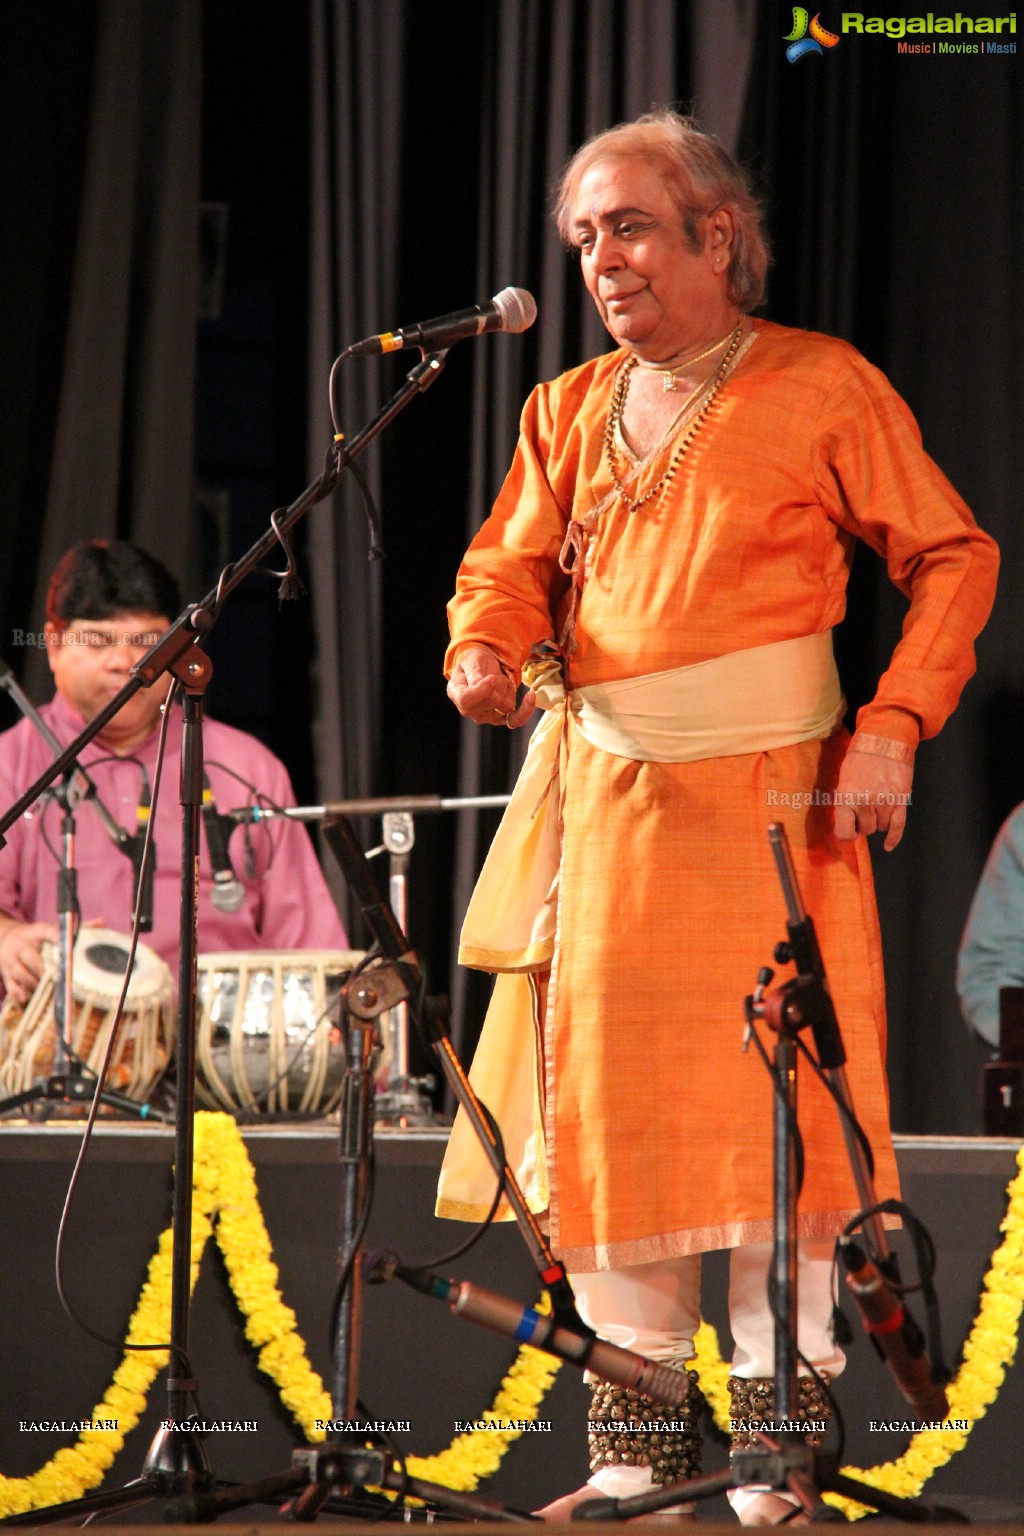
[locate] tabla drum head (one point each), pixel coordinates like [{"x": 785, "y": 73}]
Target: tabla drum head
[{"x": 100, "y": 961}]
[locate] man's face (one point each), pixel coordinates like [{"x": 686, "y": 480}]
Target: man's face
[
  {"x": 654, "y": 293},
  {"x": 91, "y": 659}
]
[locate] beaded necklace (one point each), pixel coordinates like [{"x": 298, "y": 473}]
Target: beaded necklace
[{"x": 618, "y": 404}]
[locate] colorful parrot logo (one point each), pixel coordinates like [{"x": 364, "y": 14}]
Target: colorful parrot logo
[{"x": 799, "y": 41}]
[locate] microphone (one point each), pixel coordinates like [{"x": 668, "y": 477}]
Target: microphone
[
  {"x": 143, "y": 878},
  {"x": 894, "y": 1333},
  {"x": 228, "y": 890},
  {"x": 513, "y": 309},
  {"x": 503, "y": 1315}
]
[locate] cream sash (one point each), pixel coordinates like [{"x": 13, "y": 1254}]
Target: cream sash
[{"x": 752, "y": 700}]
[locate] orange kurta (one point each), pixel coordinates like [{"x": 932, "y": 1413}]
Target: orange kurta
[{"x": 657, "y": 1127}]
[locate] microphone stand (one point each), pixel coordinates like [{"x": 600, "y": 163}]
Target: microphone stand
[
  {"x": 176, "y": 1463},
  {"x": 344, "y": 1463},
  {"x": 67, "y": 1083},
  {"x": 782, "y": 1460}
]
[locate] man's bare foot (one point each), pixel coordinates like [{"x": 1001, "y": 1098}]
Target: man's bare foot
[
  {"x": 561, "y": 1509},
  {"x": 767, "y": 1508}
]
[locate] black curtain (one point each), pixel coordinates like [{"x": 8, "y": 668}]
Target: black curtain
[{"x": 105, "y": 283}]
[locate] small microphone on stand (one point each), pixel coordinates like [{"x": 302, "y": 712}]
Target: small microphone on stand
[
  {"x": 228, "y": 890},
  {"x": 894, "y": 1333},
  {"x": 143, "y": 881}
]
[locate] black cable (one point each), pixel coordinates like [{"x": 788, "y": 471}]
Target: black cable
[
  {"x": 478, "y": 1231},
  {"x": 373, "y": 518},
  {"x": 291, "y": 582},
  {"x": 255, "y": 795},
  {"x": 926, "y": 1260},
  {"x": 924, "y": 1246},
  {"x": 258, "y": 794},
  {"x": 65, "y": 1300},
  {"x": 845, "y": 1109}
]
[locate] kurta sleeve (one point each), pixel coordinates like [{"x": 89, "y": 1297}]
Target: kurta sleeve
[
  {"x": 509, "y": 581},
  {"x": 877, "y": 482},
  {"x": 992, "y": 949}
]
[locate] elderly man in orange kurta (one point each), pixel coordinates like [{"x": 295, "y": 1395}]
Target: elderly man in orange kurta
[{"x": 667, "y": 560}]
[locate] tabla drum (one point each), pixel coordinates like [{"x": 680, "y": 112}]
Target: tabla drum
[
  {"x": 267, "y": 1037},
  {"x": 145, "y": 1041}
]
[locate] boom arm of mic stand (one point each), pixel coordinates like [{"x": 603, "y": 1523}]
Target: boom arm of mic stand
[
  {"x": 165, "y": 656},
  {"x": 803, "y": 943},
  {"x": 417, "y": 380},
  {"x": 384, "y": 927},
  {"x": 806, "y": 956},
  {"x": 118, "y": 834}
]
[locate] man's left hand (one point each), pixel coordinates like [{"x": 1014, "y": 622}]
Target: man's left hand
[{"x": 872, "y": 796}]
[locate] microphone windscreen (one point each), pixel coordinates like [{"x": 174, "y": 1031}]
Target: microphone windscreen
[{"x": 517, "y": 308}]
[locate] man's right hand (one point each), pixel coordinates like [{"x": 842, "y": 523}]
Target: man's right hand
[
  {"x": 481, "y": 691},
  {"x": 21, "y": 961}
]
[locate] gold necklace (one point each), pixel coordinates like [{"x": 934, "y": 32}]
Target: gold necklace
[
  {"x": 669, "y": 370},
  {"x": 618, "y": 404}
]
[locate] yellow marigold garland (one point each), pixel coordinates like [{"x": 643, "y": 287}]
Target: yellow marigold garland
[
  {"x": 225, "y": 1189},
  {"x": 75, "y": 1470},
  {"x": 990, "y": 1349},
  {"x": 225, "y": 1192},
  {"x": 473, "y": 1456}
]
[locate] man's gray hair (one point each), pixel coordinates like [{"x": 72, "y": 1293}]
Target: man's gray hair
[{"x": 701, "y": 176}]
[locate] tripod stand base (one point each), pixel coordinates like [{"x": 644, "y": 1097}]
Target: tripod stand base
[
  {"x": 786, "y": 1468},
  {"x": 74, "y": 1093},
  {"x": 175, "y": 1465},
  {"x": 332, "y": 1479},
  {"x": 176, "y": 1456}
]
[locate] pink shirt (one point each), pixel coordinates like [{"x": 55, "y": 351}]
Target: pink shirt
[{"x": 287, "y": 904}]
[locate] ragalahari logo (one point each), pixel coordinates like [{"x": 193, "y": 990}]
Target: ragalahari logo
[{"x": 807, "y": 36}]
